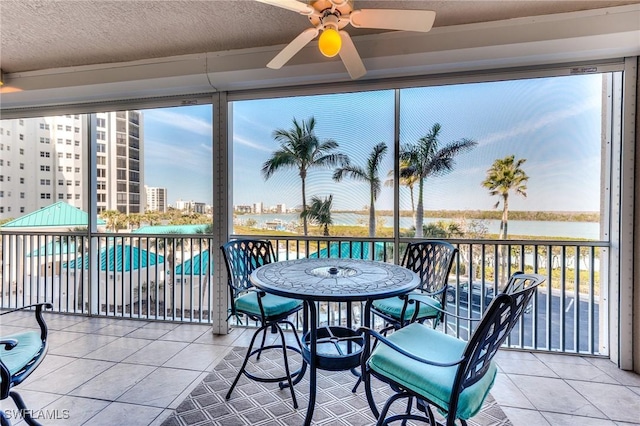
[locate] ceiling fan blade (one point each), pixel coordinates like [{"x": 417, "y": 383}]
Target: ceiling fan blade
[
  {"x": 350, "y": 57},
  {"x": 393, "y": 19},
  {"x": 292, "y": 5},
  {"x": 292, "y": 48}
]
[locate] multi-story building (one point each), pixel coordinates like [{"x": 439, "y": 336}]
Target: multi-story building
[
  {"x": 43, "y": 160},
  {"x": 257, "y": 208},
  {"x": 120, "y": 162},
  {"x": 156, "y": 199},
  {"x": 191, "y": 206}
]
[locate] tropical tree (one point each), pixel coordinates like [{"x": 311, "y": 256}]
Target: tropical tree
[
  {"x": 504, "y": 176},
  {"x": 370, "y": 174},
  {"x": 427, "y": 159},
  {"x": 113, "y": 219},
  {"x": 319, "y": 212},
  {"x": 301, "y": 149},
  {"x": 408, "y": 181}
]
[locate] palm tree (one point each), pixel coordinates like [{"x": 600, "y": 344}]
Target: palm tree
[
  {"x": 426, "y": 158},
  {"x": 504, "y": 176},
  {"x": 370, "y": 174},
  {"x": 113, "y": 218},
  {"x": 408, "y": 181},
  {"x": 300, "y": 148},
  {"x": 319, "y": 212}
]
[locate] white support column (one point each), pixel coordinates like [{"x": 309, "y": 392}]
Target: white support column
[
  {"x": 222, "y": 216},
  {"x": 625, "y": 318},
  {"x": 94, "y": 259}
]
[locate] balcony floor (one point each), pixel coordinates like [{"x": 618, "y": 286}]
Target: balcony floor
[{"x": 114, "y": 371}]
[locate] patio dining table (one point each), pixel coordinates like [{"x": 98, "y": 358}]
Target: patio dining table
[{"x": 332, "y": 280}]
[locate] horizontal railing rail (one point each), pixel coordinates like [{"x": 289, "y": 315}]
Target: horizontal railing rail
[{"x": 169, "y": 277}]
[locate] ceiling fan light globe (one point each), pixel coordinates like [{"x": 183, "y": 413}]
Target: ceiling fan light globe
[{"x": 329, "y": 42}]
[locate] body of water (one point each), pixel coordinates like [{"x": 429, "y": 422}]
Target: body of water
[{"x": 590, "y": 230}]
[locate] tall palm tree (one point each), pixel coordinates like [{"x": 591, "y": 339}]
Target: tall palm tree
[
  {"x": 370, "y": 174},
  {"x": 300, "y": 148},
  {"x": 425, "y": 159},
  {"x": 319, "y": 212},
  {"x": 408, "y": 181},
  {"x": 506, "y": 175}
]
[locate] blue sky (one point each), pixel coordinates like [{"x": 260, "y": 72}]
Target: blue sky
[{"x": 552, "y": 122}]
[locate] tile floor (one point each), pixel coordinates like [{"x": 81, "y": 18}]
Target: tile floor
[{"x": 129, "y": 372}]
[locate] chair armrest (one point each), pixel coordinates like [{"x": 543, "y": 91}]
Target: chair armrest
[
  {"x": 39, "y": 307},
  {"x": 8, "y": 344},
  {"x": 380, "y": 338},
  {"x": 35, "y": 305},
  {"x": 420, "y": 299}
]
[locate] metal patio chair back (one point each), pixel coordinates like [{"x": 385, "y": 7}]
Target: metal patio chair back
[
  {"x": 432, "y": 261},
  {"x": 20, "y": 354},
  {"x": 441, "y": 371},
  {"x": 242, "y": 257}
]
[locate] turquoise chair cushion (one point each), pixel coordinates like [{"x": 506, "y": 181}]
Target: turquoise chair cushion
[
  {"x": 29, "y": 344},
  {"x": 273, "y": 305},
  {"x": 392, "y": 306},
  {"x": 434, "y": 383}
]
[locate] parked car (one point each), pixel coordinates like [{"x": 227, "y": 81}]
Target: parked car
[{"x": 476, "y": 292}]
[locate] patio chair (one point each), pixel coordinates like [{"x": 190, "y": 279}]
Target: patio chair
[
  {"x": 439, "y": 370},
  {"x": 242, "y": 257},
  {"x": 20, "y": 354},
  {"x": 432, "y": 261}
]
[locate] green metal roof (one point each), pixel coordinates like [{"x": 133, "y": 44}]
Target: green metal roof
[
  {"x": 170, "y": 229},
  {"x": 113, "y": 257},
  {"x": 54, "y": 248},
  {"x": 347, "y": 250},
  {"x": 196, "y": 265},
  {"x": 60, "y": 214}
]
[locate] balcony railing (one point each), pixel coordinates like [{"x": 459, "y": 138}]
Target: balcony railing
[{"x": 170, "y": 277}]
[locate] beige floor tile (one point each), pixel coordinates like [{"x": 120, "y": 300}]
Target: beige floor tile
[
  {"x": 148, "y": 333},
  {"x": 115, "y": 381},
  {"x": 196, "y": 357},
  {"x": 532, "y": 367},
  {"x": 186, "y": 333},
  {"x": 555, "y": 395},
  {"x": 561, "y": 359},
  {"x": 63, "y": 380},
  {"x": 116, "y": 330},
  {"x": 586, "y": 372},
  {"x": 557, "y": 419},
  {"x": 160, "y": 388},
  {"x": 118, "y": 413},
  {"x": 82, "y": 346},
  {"x": 156, "y": 353},
  {"x": 627, "y": 378},
  {"x": 507, "y": 394},
  {"x": 119, "y": 349},
  {"x": 523, "y": 417},
  {"x": 617, "y": 402},
  {"x": 78, "y": 410},
  {"x": 50, "y": 363}
]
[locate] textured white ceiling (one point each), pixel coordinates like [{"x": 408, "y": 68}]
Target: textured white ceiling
[{"x": 44, "y": 34}]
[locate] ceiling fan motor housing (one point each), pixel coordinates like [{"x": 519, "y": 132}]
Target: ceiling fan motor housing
[{"x": 328, "y": 8}]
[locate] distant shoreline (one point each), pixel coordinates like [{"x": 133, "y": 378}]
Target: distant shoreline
[{"x": 545, "y": 216}]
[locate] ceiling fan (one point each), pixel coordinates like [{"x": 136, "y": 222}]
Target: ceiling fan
[{"x": 329, "y": 17}]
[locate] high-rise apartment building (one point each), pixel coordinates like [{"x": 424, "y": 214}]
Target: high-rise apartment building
[
  {"x": 156, "y": 199},
  {"x": 120, "y": 162},
  {"x": 44, "y": 160}
]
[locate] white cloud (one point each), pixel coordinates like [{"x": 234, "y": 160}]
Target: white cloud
[
  {"x": 538, "y": 122},
  {"x": 249, "y": 143},
  {"x": 181, "y": 121}
]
